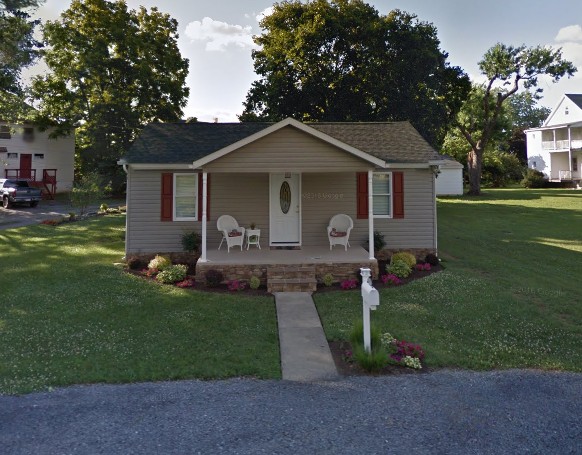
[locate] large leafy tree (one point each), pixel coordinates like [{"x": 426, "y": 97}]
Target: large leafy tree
[
  {"x": 18, "y": 50},
  {"x": 112, "y": 70},
  {"x": 507, "y": 70},
  {"x": 340, "y": 60}
]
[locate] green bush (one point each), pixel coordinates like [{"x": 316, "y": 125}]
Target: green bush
[
  {"x": 213, "y": 278},
  {"x": 534, "y": 179},
  {"x": 191, "y": 241},
  {"x": 432, "y": 259},
  {"x": 103, "y": 207},
  {"x": 357, "y": 335},
  {"x": 501, "y": 168},
  {"x": 379, "y": 241},
  {"x": 254, "y": 282},
  {"x": 328, "y": 279},
  {"x": 371, "y": 361},
  {"x": 173, "y": 274},
  {"x": 159, "y": 263},
  {"x": 405, "y": 256},
  {"x": 399, "y": 268}
]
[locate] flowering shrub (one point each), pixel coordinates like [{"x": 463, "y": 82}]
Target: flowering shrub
[
  {"x": 412, "y": 362},
  {"x": 50, "y": 222},
  {"x": 349, "y": 284},
  {"x": 403, "y": 352},
  {"x": 151, "y": 272},
  {"x": 187, "y": 283},
  {"x": 236, "y": 285},
  {"x": 173, "y": 274},
  {"x": 406, "y": 349},
  {"x": 423, "y": 267},
  {"x": 160, "y": 263},
  {"x": 390, "y": 279}
]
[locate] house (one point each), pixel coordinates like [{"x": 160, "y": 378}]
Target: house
[
  {"x": 28, "y": 153},
  {"x": 449, "y": 181},
  {"x": 556, "y": 147},
  {"x": 287, "y": 178}
]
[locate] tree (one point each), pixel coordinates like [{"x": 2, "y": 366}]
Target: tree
[
  {"x": 340, "y": 60},
  {"x": 507, "y": 69},
  {"x": 18, "y": 48},
  {"x": 525, "y": 114},
  {"x": 113, "y": 70}
]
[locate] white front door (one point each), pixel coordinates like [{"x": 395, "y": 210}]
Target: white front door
[{"x": 285, "y": 202}]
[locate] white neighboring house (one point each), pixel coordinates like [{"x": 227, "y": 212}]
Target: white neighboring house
[
  {"x": 555, "y": 148},
  {"x": 28, "y": 153},
  {"x": 449, "y": 181}
]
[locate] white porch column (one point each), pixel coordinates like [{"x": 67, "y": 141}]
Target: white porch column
[
  {"x": 370, "y": 215},
  {"x": 570, "y": 152},
  {"x": 204, "y": 215}
]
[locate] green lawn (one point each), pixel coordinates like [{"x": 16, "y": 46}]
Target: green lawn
[
  {"x": 69, "y": 315},
  {"x": 510, "y": 296}
]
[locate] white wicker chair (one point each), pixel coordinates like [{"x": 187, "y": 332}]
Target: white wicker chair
[
  {"x": 338, "y": 231},
  {"x": 231, "y": 232}
]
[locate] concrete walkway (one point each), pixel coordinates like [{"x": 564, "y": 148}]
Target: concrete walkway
[{"x": 305, "y": 354}]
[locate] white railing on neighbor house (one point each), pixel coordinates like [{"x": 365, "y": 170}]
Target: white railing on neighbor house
[
  {"x": 556, "y": 145},
  {"x": 565, "y": 175}
]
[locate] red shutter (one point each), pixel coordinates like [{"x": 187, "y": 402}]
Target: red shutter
[
  {"x": 167, "y": 196},
  {"x": 200, "y": 196},
  {"x": 362, "y": 195},
  {"x": 398, "y": 194}
]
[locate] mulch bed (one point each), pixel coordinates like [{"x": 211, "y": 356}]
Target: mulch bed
[{"x": 345, "y": 368}]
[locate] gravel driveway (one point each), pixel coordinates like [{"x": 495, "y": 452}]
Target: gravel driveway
[
  {"x": 444, "y": 412},
  {"x": 22, "y": 215}
]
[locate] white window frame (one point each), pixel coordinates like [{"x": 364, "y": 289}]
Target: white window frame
[
  {"x": 38, "y": 157},
  {"x": 185, "y": 218},
  {"x": 390, "y": 195}
]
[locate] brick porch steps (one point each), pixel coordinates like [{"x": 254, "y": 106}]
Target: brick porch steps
[{"x": 291, "y": 278}]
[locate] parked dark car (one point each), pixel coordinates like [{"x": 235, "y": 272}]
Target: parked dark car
[{"x": 15, "y": 191}]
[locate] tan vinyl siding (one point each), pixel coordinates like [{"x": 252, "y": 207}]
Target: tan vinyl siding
[
  {"x": 325, "y": 195},
  {"x": 246, "y": 197},
  {"x": 288, "y": 150}
]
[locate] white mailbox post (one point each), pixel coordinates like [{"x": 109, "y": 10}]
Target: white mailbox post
[{"x": 370, "y": 300}]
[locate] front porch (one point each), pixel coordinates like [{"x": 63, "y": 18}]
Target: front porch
[{"x": 287, "y": 269}]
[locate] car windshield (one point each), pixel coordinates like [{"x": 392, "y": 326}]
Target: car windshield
[{"x": 16, "y": 184}]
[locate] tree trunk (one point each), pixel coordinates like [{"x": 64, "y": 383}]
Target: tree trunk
[{"x": 474, "y": 163}]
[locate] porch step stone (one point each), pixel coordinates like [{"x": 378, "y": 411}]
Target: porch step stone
[{"x": 296, "y": 278}]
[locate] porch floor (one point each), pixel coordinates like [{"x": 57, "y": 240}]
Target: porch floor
[{"x": 306, "y": 255}]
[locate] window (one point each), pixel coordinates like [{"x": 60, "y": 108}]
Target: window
[
  {"x": 39, "y": 156},
  {"x": 387, "y": 197},
  {"x": 5, "y": 132},
  {"x": 28, "y": 134},
  {"x": 3, "y": 150},
  {"x": 185, "y": 197},
  {"x": 12, "y": 156},
  {"x": 381, "y": 195}
]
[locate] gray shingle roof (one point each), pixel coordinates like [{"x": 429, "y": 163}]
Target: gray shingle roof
[
  {"x": 576, "y": 98},
  {"x": 183, "y": 143}
]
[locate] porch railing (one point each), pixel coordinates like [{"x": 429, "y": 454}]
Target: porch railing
[
  {"x": 565, "y": 175},
  {"x": 556, "y": 145}
]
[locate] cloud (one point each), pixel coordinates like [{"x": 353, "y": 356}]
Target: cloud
[
  {"x": 219, "y": 35},
  {"x": 570, "y": 40},
  {"x": 569, "y": 33},
  {"x": 266, "y": 12}
]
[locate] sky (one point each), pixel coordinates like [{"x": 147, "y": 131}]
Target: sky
[{"x": 216, "y": 37}]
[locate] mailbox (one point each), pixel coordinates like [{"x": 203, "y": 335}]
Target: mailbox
[{"x": 370, "y": 296}]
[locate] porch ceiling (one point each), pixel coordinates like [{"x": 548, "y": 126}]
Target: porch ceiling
[{"x": 307, "y": 254}]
